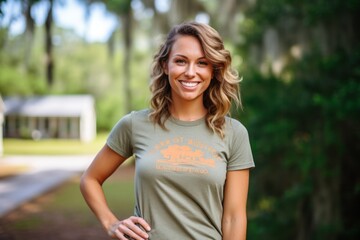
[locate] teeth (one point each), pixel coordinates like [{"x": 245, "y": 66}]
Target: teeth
[{"x": 189, "y": 84}]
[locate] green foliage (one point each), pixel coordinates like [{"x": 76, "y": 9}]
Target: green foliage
[
  {"x": 15, "y": 77},
  {"x": 300, "y": 131},
  {"x": 111, "y": 111},
  {"x": 119, "y": 7},
  {"x": 3, "y": 35},
  {"x": 272, "y": 12},
  {"x": 17, "y": 82},
  {"x": 82, "y": 69},
  {"x": 303, "y": 123}
]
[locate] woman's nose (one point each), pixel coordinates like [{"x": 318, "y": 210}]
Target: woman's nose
[{"x": 190, "y": 71}]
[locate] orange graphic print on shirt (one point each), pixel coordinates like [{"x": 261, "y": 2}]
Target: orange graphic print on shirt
[
  {"x": 178, "y": 155},
  {"x": 191, "y": 157}
]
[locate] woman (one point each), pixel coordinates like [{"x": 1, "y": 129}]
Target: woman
[{"x": 191, "y": 160}]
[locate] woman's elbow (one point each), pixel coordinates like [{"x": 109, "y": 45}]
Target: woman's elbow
[
  {"x": 85, "y": 181},
  {"x": 234, "y": 226},
  {"x": 233, "y": 219}
]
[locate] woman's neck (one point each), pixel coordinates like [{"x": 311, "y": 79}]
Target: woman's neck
[{"x": 187, "y": 111}]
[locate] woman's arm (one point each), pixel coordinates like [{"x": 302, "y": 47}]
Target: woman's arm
[
  {"x": 234, "y": 221},
  {"x": 104, "y": 164}
]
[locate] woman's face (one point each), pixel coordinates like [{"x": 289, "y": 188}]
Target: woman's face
[{"x": 188, "y": 70}]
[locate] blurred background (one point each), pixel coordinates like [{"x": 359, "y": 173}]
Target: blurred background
[{"x": 300, "y": 68}]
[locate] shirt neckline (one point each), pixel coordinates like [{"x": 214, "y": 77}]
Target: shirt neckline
[{"x": 187, "y": 123}]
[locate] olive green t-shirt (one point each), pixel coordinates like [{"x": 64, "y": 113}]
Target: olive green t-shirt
[{"x": 180, "y": 172}]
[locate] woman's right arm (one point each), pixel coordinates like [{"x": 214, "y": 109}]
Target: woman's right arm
[{"x": 102, "y": 167}]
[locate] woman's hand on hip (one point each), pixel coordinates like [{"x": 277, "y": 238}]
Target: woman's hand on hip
[{"x": 132, "y": 227}]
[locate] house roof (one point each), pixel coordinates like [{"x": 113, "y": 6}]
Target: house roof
[{"x": 49, "y": 106}]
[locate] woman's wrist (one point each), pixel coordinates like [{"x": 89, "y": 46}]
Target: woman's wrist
[
  {"x": 110, "y": 223},
  {"x": 112, "y": 228}
]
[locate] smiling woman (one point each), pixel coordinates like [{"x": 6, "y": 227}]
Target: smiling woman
[{"x": 192, "y": 161}]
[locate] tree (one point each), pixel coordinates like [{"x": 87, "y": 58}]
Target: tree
[
  {"x": 301, "y": 87},
  {"x": 122, "y": 9}
]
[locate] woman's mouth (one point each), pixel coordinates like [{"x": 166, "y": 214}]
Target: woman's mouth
[{"x": 188, "y": 84}]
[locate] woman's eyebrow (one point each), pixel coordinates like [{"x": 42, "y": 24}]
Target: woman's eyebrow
[{"x": 181, "y": 55}]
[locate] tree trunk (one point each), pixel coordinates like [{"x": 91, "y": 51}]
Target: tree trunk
[
  {"x": 111, "y": 45},
  {"x": 304, "y": 221},
  {"x": 48, "y": 46},
  {"x": 326, "y": 206},
  {"x": 29, "y": 31},
  {"x": 127, "y": 34}
]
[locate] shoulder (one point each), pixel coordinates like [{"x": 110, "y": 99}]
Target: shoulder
[
  {"x": 128, "y": 119},
  {"x": 235, "y": 131},
  {"x": 140, "y": 115},
  {"x": 234, "y": 125}
]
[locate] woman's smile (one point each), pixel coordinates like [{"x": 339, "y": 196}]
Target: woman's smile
[{"x": 188, "y": 84}]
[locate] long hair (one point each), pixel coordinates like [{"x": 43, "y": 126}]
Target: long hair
[{"x": 224, "y": 86}]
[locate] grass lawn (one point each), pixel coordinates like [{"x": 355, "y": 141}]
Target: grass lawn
[
  {"x": 69, "y": 201},
  {"x": 52, "y": 146},
  {"x": 62, "y": 214}
]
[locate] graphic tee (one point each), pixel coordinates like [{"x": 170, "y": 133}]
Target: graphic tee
[{"x": 180, "y": 172}]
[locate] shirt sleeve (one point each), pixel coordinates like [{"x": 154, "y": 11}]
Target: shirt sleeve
[
  {"x": 240, "y": 150},
  {"x": 120, "y": 137}
]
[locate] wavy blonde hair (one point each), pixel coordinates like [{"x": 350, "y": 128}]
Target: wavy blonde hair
[{"x": 224, "y": 86}]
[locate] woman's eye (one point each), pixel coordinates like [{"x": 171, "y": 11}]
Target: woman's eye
[
  {"x": 203, "y": 63},
  {"x": 180, "y": 61}
]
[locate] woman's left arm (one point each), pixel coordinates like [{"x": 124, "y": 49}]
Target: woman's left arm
[{"x": 234, "y": 221}]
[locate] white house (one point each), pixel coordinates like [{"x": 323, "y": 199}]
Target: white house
[
  {"x": 54, "y": 116},
  {"x": 2, "y": 110}
]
